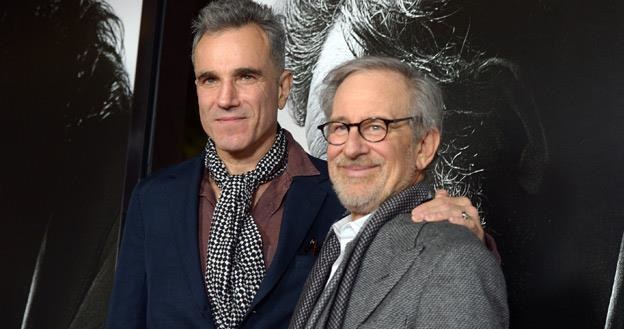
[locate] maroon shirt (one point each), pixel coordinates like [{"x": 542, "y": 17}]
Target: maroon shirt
[{"x": 267, "y": 210}]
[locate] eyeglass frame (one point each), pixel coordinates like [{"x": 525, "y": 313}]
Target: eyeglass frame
[{"x": 386, "y": 122}]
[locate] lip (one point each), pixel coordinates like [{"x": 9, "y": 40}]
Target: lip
[
  {"x": 229, "y": 119},
  {"x": 358, "y": 170}
]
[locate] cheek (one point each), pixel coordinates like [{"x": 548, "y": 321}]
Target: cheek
[
  {"x": 403, "y": 167},
  {"x": 203, "y": 112},
  {"x": 332, "y": 152},
  {"x": 204, "y": 122},
  {"x": 204, "y": 98},
  {"x": 392, "y": 159}
]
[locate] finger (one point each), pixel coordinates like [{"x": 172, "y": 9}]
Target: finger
[
  {"x": 437, "y": 216},
  {"x": 473, "y": 212},
  {"x": 433, "y": 211},
  {"x": 443, "y": 208},
  {"x": 421, "y": 211},
  {"x": 470, "y": 222}
]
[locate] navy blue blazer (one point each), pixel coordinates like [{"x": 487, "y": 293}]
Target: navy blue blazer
[{"x": 158, "y": 281}]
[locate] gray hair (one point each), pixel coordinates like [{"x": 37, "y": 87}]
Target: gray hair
[
  {"x": 425, "y": 95},
  {"x": 223, "y": 14}
]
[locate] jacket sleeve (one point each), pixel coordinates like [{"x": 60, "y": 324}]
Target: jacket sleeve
[{"x": 127, "y": 305}]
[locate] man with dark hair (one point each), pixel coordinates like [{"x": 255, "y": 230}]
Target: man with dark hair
[
  {"x": 226, "y": 239},
  {"x": 377, "y": 269}
]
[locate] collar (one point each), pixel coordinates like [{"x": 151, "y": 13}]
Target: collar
[
  {"x": 347, "y": 229},
  {"x": 299, "y": 164}
]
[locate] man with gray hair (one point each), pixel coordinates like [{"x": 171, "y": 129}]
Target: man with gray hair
[
  {"x": 226, "y": 239},
  {"x": 377, "y": 269}
]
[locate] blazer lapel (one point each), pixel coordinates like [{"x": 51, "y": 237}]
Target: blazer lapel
[
  {"x": 302, "y": 205},
  {"x": 303, "y": 202},
  {"x": 184, "y": 196},
  {"x": 378, "y": 278}
]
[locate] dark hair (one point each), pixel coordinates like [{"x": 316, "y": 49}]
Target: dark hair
[{"x": 223, "y": 14}]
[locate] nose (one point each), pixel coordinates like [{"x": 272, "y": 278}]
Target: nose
[
  {"x": 228, "y": 95},
  {"x": 355, "y": 144}
]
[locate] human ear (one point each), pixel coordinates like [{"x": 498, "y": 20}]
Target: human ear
[
  {"x": 285, "y": 82},
  {"x": 428, "y": 148}
]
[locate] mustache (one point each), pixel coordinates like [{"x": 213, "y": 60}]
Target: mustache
[{"x": 364, "y": 161}]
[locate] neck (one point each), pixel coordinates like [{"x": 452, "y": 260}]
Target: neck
[
  {"x": 240, "y": 162},
  {"x": 356, "y": 216},
  {"x": 237, "y": 166}
]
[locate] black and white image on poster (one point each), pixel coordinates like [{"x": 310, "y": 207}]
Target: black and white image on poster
[{"x": 66, "y": 95}]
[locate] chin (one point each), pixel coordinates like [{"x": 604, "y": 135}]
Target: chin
[
  {"x": 231, "y": 145},
  {"x": 362, "y": 203},
  {"x": 362, "y": 209}
]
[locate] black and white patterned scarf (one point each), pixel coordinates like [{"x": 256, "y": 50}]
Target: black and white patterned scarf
[{"x": 234, "y": 261}]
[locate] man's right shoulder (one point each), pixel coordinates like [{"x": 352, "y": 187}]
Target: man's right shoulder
[{"x": 189, "y": 170}]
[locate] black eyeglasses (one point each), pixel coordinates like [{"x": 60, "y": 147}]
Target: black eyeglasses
[{"x": 372, "y": 129}]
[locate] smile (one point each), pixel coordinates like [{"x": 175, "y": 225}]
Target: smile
[
  {"x": 230, "y": 119},
  {"x": 358, "y": 170}
]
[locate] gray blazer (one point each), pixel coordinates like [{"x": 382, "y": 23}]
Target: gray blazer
[{"x": 428, "y": 275}]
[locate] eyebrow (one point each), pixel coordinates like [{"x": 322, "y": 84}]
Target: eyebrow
[
  {"x": 247, "y": 70},
  {"x": 204, "y": 75},
  {"x": 340, "y": 118},
  {"x": 237, "y": 72}
]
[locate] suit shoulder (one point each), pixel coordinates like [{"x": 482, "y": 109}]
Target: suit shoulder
[
  {"x": 447, "y": 237},
  {"x": 454, "y": 251},
  {"x": 189, "y": 168}
]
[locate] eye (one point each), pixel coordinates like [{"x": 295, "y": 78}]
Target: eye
[
  {"x": 207, "y": 81},
  {"x": 373, "y": 127},
  {"x": 337, "y": 128},
  {"x": 247, "y": 77}
]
